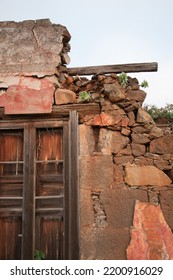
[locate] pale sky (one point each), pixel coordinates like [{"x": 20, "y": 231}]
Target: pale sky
[{"x": 111, "y": 32}]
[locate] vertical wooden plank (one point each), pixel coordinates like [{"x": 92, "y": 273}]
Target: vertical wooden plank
[
  {"x": 66, "y": 180},
  {"x": 28, "y": 219},
  {"x": 74, "y": 188}
]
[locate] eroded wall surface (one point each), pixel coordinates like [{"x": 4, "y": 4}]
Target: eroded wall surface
[{"x": 125, "y": 160}]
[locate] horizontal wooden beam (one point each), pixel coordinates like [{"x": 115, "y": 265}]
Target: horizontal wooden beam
[
  {"x": 58, "y": 111},
  {"x": 116, "y": 68}
]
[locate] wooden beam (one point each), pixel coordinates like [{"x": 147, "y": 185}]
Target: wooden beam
[
  {"x": 106, "y": 69},
  {"x": 58, "y": 111}
]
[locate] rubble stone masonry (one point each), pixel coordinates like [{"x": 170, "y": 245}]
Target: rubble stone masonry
[{"x": 125, "y": 160}]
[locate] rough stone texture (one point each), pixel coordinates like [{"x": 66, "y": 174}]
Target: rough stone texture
[
  {"x": 146, "y": 176},
  {"x": 131, "y": 117},
  {"x": 106, "y": 120},
  {"x": 33, "y": 47},
  {"x": 109, "y": 248},
  {"x": 118, "y": 177},
  {"x": 30, "y": 96},
  {"x": 86, "y": 140},
  {"x": 111, "y": 141},
  {"x": 123, "y": 160},
  {"x": 140, "y": 138},
  {"x": 170, "y": 173},
  {"x": 166, "y": 199},
  {"x": 138, "y": 149},
  {"x": 86, "y": 208},
  {"x": 162, "y": 164},
  {"x": 137, "y": 95},
  {"x": 115, "y": 92},
  {"x": 162, "y": 145},
  {"x": 119, "y": 205},
  {"x": 140, "y": 161},
  {"x": 144, "y": 117},
  {"x": 151, "y": 237},
  {"x": 96, "y": 172},
  {"x": 125, "y": 131},
  {"x": 87, "y": 243},
  {"x": 155, "y": 132},
  {"x": 64, "y": 96}
]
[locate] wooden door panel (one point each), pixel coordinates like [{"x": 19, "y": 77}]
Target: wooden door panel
[
  {"x": 10, "y": 238},
  {"x": 49, "y": 192},
  {"x": 49, "y": 144},
  {"x": 11, "y": 153},
  {"x": 11, "y": 191},
  {"x": 50, "y": 236}
]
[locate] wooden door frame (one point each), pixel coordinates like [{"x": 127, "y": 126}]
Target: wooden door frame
[{"x": 70, "y": 181}]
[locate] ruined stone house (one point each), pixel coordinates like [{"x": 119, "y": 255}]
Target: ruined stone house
[{"x": 85, "y": 173}]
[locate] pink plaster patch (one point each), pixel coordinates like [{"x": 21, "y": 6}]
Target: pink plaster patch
[
  {"x": 2, "y": 99},
  {"x": 30, "y": 96},
  {"x": 151, "y": 237}
]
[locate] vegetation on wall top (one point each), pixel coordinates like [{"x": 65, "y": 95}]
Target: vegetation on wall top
[{"x": 160, "y": 113}]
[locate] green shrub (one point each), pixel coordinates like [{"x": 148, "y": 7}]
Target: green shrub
[
  {"x": 84, "y": 96},
  {"x": 123, "y": 79},
  {"x": 39, "y": 255},
  {"x": 144, "y": 84},
  {"x": 160, "y": 113}
]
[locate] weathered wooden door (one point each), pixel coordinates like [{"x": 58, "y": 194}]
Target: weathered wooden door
[{"x": 39, "y": 189}]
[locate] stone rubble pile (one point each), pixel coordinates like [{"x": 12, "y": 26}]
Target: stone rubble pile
[{"x": 127, "y": 131}]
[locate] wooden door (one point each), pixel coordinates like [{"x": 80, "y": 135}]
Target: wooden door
[
  {"x": 11, "y": 193},
  {"x": 39, "y": 189},
  {"x": 49, "y": 199}
]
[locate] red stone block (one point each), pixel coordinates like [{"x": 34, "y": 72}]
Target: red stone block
[
  {"x": 151, "y": 237},
  {"x": 106, "y": 120}
]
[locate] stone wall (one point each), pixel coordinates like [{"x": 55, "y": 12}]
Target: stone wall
[
  {"x": 126, "y": 161},
  {"x": 125, "y": 168}
]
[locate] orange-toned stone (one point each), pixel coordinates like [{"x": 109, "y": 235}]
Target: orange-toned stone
[
  {"x": 64, "y": 96},
  {"x": 146, "y": 176},
  {"x": 151, "y": 237},
  {"x": 125, "y": 122},
  {"x": 104, "y": 119},
  {"x": 162, "y": 145}
]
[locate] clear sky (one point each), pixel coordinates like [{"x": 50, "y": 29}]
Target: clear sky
[{"x": 111, "y": 32}]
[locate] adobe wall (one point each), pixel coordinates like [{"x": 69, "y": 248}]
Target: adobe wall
[{"x": 125, "y": 160}]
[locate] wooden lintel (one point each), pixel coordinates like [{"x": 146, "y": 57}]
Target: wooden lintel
[
  {"x": 116, "y": 68},
  {"x": 58, "y": 111}
]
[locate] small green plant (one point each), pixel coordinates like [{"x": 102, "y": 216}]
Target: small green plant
[
  {"x": 84, "y": 96},
  {"x": 39, "y": 255},
  {"x": 123, "y": 79},
  {"x": 144, "y": 84}
]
